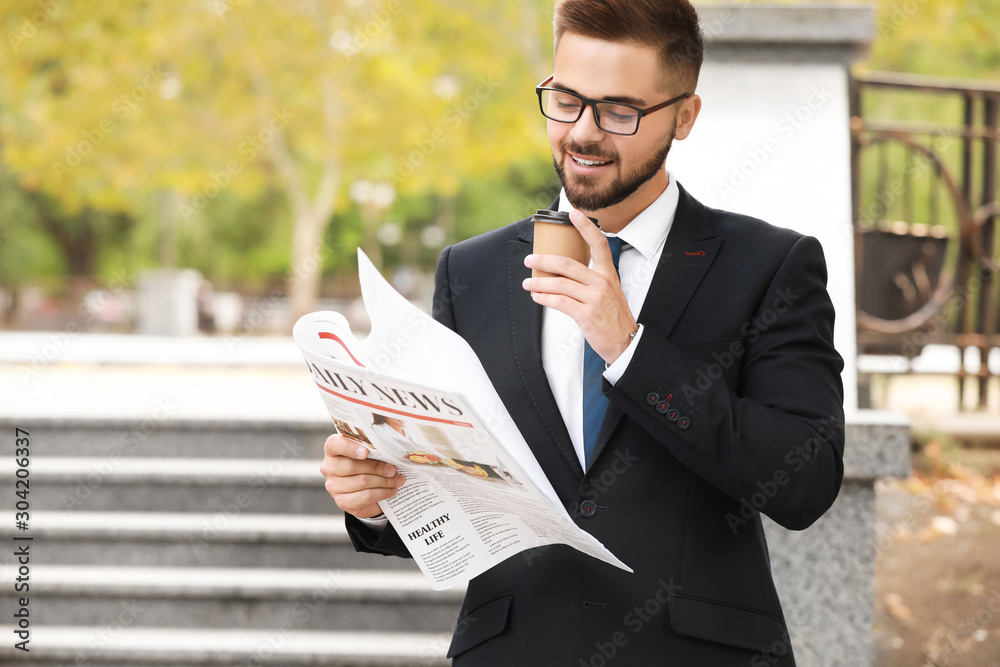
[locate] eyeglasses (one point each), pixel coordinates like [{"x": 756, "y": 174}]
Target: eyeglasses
[{"x": 563, "y": 106}]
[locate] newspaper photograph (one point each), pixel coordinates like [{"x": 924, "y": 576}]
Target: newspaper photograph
[{"x": 474, "y": 494}]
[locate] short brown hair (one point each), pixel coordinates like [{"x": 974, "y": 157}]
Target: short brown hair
[{"x": 669, "y": 26}]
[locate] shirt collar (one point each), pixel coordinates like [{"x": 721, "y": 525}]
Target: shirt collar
[{"x": 648, "y": 230}]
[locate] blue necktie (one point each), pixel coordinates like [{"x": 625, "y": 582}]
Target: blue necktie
[{"x": 594, "y": 402}]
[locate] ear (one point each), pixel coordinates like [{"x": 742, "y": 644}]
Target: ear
[{"x": 686, "y": 116}]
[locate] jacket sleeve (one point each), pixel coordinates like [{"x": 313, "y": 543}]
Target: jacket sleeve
[
  {"x": 777, "y": 440},
  {"x": 383, "y": 541}
]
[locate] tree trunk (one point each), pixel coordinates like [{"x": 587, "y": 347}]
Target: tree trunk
[{"x": 308, "y": 253}]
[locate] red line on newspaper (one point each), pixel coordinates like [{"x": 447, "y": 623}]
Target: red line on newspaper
[
  {"x": 330, "y": 336},
  {"x": 382, "y": 408}
]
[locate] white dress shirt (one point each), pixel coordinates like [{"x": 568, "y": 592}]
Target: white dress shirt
[{"x": 562, "y": 340}]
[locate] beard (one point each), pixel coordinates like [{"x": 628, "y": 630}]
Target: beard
[{"x": 582, "y": 191}]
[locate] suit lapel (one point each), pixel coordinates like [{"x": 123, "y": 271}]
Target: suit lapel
[
  {"x": 542, "y": 423},
  {"x": 688, "y": 252}
]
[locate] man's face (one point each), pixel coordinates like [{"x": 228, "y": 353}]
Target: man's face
[{"x": 625, "y": 164}]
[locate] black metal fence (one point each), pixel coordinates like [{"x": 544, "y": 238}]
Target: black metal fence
[{"x": 925, "y": 184}]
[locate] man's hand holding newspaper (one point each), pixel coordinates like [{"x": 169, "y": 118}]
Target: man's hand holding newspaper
[{"x": 356, "y": 482}]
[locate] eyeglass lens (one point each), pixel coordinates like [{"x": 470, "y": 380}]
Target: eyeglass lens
[{"x": 567, "y": 108}]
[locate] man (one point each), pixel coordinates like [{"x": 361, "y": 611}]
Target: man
[{"x": 722, "y": 385}]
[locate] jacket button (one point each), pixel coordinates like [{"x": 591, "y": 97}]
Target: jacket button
[
  {"x": 662, "y": 407},
  {"x": 652, "y": 398},
  {"x": 673, "y": 414},
  {"x": 684, "y": 423},
  {"x": 588, "y": 508}
]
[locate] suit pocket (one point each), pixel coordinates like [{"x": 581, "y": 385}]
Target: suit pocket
[
  {"x": 484, "y": 622},
  {"x": 726, "y": 624}
]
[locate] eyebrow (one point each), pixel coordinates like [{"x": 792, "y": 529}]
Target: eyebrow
[{"x": 624, "y": 99}]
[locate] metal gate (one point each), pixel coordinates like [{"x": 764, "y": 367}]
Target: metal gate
[{"x": 925, "y": 185}]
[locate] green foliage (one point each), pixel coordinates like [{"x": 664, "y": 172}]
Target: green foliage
[
  {"x": 25, "y": 250},
  {"x": 952, "y": 38},
  {"x": 241, "y": 110},
  {"x": 106, "y": 106}
]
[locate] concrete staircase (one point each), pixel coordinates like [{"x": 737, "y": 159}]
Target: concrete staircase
[{"x": 201, "y": 543}]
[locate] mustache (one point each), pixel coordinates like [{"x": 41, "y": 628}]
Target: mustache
[{"x": 570, "y": 146}]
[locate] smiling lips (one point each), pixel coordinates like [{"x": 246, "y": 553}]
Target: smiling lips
[{"x": 589, "y": 162}]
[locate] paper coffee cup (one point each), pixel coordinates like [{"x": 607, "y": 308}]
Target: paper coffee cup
[{"x": 556, "y": 235}]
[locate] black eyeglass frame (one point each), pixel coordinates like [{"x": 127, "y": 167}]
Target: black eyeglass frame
[{"x": 592, "y": 103}]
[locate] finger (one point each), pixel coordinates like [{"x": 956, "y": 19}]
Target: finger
[
  {"x": 557, "y": 264},
  {"x": 563, "y": 304},
  {"x": 355, "y": 483},
  {"x": 363, "y": 504},
  {"x": 595, "y": 238},
  {"x": 554, "y": 285},
  {"x": 342, "y": 466},
  {"x": 339, "y": 445}
]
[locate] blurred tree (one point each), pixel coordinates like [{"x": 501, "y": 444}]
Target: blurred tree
[
  {"x": 109, "y": 105},
  {"x": 952, "y": 38},
  {"x": 253, "y": 119}
]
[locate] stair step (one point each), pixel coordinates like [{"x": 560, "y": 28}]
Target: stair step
[
  {"x": 355, "y": 600},
  {"x": 193, "y": 539},
  {"x": 98, "y": 646},
  {"x": 207, "y": 471},
  {"x": 228, "y": 583},
  {"x": 168, "y": 526},
  {"x": 195, "y": 438},
  {"x": 171, "y": 484}
]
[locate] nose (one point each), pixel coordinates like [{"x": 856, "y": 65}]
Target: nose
[{"x": 585, "y": 130}]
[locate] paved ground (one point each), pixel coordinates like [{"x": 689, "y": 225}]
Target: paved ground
[
  {"x": 89, "y": 375},
  {"x": 937, "y": 575}
]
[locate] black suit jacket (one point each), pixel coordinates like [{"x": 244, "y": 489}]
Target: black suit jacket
[{"x": 731, "y": 404}]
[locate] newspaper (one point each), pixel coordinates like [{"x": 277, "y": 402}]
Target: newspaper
[{"x": 414, "y": 393}]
